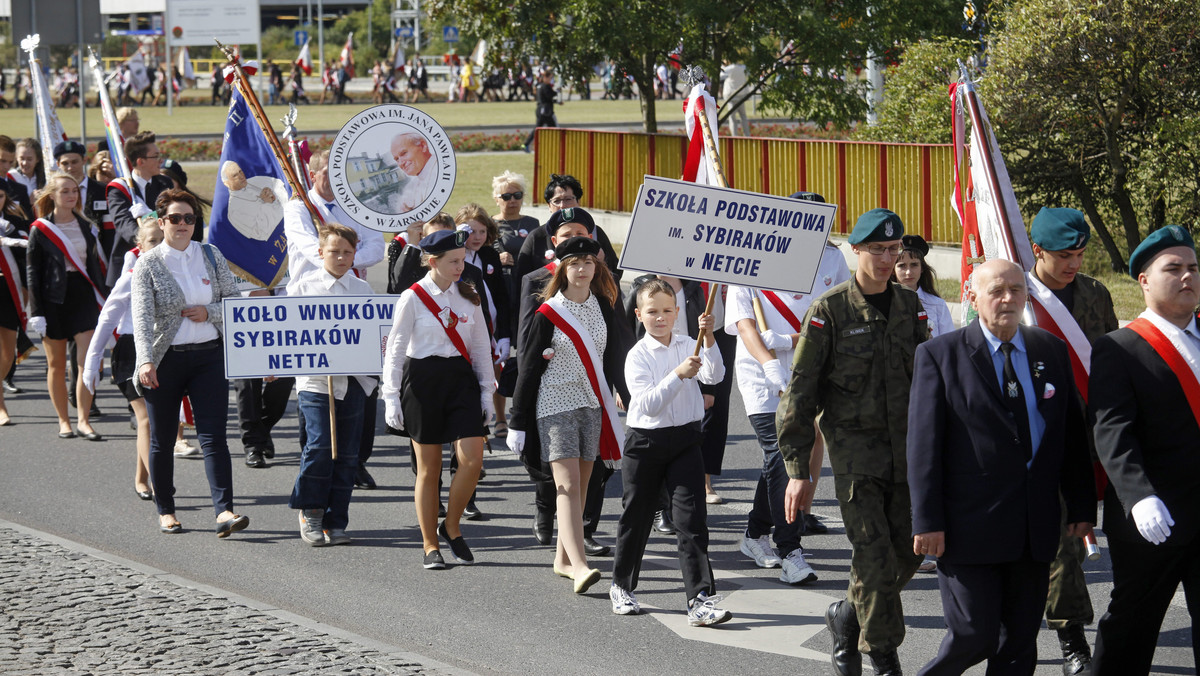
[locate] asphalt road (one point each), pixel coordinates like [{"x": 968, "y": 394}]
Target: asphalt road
[{"x": 507, "y": 614}]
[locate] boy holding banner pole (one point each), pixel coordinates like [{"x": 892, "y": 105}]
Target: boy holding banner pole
[{"x": 331, "y": 408}]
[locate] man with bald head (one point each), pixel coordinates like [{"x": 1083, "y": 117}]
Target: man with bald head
[
  {"x": 412, "y": 156},
  {"x": 994, "y": 434},
  {"x": 1145, "y": 404}
]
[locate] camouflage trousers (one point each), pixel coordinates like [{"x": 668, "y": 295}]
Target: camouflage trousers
[
  {"x": 877, "y": 514},
  {"x": 1068, "y": 602}
]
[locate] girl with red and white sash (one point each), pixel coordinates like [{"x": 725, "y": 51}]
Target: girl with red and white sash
[
  {"x": 563, "y": 412},
  {"x": 14, "y": 237},
  {"x": 438, "y": 384},
  {"x": 66, "y": 291}
]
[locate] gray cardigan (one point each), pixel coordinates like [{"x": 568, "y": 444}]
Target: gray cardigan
[{"x": 158, "y": 300}]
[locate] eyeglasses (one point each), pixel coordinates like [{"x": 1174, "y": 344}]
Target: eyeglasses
[
  {"x": 877, "y": 250},
  {"x": 559, "y": 201},
  {"x": 152, "y": 157},
  {"x": 506, "y": 196},
  {"x": 175, "y": 219}
]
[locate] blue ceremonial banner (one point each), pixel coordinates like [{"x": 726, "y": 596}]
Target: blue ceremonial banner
[{"x": 247, "y": 211}]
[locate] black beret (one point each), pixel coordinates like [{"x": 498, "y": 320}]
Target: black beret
[
  {"x": 577, "y": 246},
  {"x": 67, "y": 147},
  {"x": 917, "y": 243},
  {"x": 175, "y": 170},
  {"x": 808, "y": 196},
  {"x": 444, "y": 240},
  {"x": 570, "y": 215}
]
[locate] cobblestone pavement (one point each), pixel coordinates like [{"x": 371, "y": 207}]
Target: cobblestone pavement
[{"x": 68, "y": 612}]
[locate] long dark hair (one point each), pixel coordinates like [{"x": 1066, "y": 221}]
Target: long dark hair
[
  {"x": 602, "y": 282},
  {"x": 925, "y": 281}
]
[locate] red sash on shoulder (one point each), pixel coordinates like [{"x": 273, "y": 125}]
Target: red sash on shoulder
[
  {"x": 551, "y": 265},
  {"x": 1162, "y": 345},
  {"x": 437, "y": 310},
  {"x": 55, "y": 236},
  {"x": 783, "y": 309},
  {"x": 611, "y": 436},
  {"x": 8, "y": 266}
]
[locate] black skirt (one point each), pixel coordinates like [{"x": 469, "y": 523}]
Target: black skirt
[
  {"x": 440, "y": 398},
  {"x": 9, "y": 319},
  {"x": 124, "y": 354},
  {"x": 77, "y": 313}
]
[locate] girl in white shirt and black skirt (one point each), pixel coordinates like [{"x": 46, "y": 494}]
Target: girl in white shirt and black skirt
[{"x": 438, "y": 384}]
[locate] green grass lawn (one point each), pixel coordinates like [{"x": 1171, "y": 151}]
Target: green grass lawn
[
  {"x": 1126, "y": 294},
  {"x": 191, "y": 119},
  {"x": 474, "y": 182}
]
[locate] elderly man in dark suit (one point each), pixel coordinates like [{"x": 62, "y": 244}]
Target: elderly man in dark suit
[
  {"x": 1145, "y": 403},
  {"x": 995, "y": 431}
]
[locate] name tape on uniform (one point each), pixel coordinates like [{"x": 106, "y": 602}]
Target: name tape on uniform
[
  {"x": 289, "y": 336},
  {"x": 727, "y": 236}
]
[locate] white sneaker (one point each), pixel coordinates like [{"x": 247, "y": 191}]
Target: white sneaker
[
  {"x": 703, "y": 611},
  {"x": 796, "y": 570},
  {"x": 623, "y": 602},
  {"x": 310, "y": 527},
  {"x": 760, "y": 550},
  {"x": 185, "y": 450}
]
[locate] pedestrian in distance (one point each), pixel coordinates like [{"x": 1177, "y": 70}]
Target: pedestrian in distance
[
  {"x": 662, "y": 445},
  {"x": 177, "y": 291},
  {"x": 437, "y": 385},
  {"x": 325, "y": 483}
]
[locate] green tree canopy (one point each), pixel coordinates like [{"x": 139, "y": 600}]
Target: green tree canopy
[{"x": 916, "y": 107}]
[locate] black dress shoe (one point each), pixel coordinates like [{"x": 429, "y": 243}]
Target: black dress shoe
[
  {"x": 90, "y": 436},
  {"x": 843, "y": 625},
  {"x": 441, "y": 509},
  {"x": 812, "y": 526},
  {"x": 10, "y": 388},
  {"x": 1077, "y": 654},
  {"x": 254, "y": 458},
  {"x": 144, "y": 495},
  {"x": 542, "y": 530},
  {"x": 886, "y": 663},
  {"x": 593, "y": 548},
  {"x": 95, "y": 411},
  {"x": 66, "y": 435},
  {"x": 269, "y": 452},
  {"x": 363, "y": 479},
  {"x": 662, "y": 523},
  {"x": 472, "y": 513}
]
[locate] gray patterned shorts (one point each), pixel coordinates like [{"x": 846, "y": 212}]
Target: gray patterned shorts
[{"x": 571, "y": 434}]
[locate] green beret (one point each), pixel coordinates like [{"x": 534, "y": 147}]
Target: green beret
[
  {"x": 877, "y": 225},
  {"x": 1166, "y": 237},
  {"x": 1060, "y": 229}
]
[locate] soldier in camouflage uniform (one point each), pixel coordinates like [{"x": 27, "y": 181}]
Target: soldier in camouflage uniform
[
  {"x": 854, "y": 362},
  {"x": 1059, "y": 238}
]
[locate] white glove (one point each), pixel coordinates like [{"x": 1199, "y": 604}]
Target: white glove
[
  {"x": 503, "y": 348},
  {"x": 90, "y": 378},
  {"x": 1153, "y": 520},
  {"x": 392, "y": 413},
  {"x": 137, "y": 210},
  {"x": 776, "y": 341},
  {"x": 777, "y": 376},
  {"x": 515, "y": 440},
  {"x": 489, "y": 408},
  {"x": 37, "y": 325},
  {"x": 18, "y": 242}
]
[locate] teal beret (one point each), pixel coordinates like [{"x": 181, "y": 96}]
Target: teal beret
[
  {"x": 1166, "y": 237},
  {"x": 1060, "y": 229},
  {"x": 877, "y": 225}
]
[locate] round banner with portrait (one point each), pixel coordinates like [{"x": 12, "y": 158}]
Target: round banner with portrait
[{"x": 390, "y": 166}]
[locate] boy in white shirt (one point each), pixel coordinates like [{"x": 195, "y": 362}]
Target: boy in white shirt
[
  {"x": 663, "y": 445},
  {"x": 324, "y": 485}
]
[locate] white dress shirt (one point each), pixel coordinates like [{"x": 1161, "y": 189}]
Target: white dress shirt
[
  {"x": 302, "y": 241},
  {"x": 940, "y": 320},
  {"x": 321, "y": 283},
  {"x": 190, "y": 273},
  {"x": 30, "y": 182},
  {"x": 1186, "y": 340},
  {"x": 417, "y": 333},
  {"x": 657, "y": 397},
  {"x": 115, "y": 317}
]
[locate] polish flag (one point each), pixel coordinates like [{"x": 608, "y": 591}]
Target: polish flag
[
  {"x": 304, "y": 61},
  {"x": 348, "y": 55}
]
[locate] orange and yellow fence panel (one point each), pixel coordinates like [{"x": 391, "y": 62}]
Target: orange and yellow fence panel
[{"x": 914, "y": 180}]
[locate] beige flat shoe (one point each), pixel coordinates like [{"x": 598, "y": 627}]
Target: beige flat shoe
[{"x": 714, "y": 499}]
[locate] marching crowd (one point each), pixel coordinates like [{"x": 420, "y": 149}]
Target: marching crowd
[{"x": 977, "y": 452}]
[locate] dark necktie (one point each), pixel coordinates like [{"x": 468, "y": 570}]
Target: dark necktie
[
  {"x": 329, "y": 206},
  {"x": 1014, "y": 398}
]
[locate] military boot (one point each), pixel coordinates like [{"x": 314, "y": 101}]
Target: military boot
[
  {"x": 1077, "y": 655},
  {"x": 886, "y": 663},
  {"x": 843, "y": 625}
]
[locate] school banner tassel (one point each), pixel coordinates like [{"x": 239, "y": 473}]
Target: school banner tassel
[{"x": 50, "y": 130}]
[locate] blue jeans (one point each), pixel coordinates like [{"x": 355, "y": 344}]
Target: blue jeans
[
  {"x": 199, "y": 374},
  {"x": 768, "y": 496},
  {"x": 325, "y": 483}
]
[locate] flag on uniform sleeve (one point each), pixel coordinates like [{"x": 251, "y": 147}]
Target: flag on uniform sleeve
[
  {"x": 348, "y": 55},
  {"x": 248, "y": 200},
  {"x": 304, "y": 60},
  {"x": 50, "y": 130}
]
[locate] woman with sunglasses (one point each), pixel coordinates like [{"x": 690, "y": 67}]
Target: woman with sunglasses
[
  {"x": 177, "y": 292},
  {"x": 509, "y": 191}
]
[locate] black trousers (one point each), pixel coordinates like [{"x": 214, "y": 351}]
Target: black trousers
[
  {"x": 993, "y": 612},
  {"x": 669, "y": 456},
  {"x": 260, "y": 406},
  {"x": 716, "y": 418},
  {"x": 1145, "y": 578},
  {"x": 545, "y": 498}
]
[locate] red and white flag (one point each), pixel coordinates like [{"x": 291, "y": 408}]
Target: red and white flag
[
  {"x": 348, "y": 55},
  {"x": 50, "y": 130},
  {"x": 184, "y": 64},
  {"x": 698, "y": 166},
  {"x": 304, "y": 61}
]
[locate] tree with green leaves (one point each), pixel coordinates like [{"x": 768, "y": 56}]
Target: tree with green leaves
[{"x": 916, "y": 108}]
